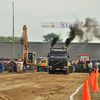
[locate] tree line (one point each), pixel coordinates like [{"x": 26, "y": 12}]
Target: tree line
[
  {"x": 9, "y": 38},
  {"x": 47, "y": 38}
]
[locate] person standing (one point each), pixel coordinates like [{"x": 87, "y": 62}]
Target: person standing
[
  {"x": 97, "y": 65},
  {"x": 90, "y": 65},
  {"x": 1, "y": 67},
  {"x": 94, "y": 63},
  {"x": 14, "y": 66},
  {"x": 11, "y": 64},
  {"x": 20, "y": 67}
]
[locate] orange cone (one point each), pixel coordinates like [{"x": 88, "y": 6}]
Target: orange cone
[
  {"x": 91, "y": 80},
  {"x": 86, "y": 93},
  {"x": 97, "y": 73},
  {"x": 93, "y": 74},
  {"x": 95, "y": 85}
]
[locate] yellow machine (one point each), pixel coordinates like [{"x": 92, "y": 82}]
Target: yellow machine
[{"x": 29, "y": 58}]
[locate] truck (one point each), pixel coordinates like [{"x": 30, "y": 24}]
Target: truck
[
  {"x": 42, "y": 64},
  {"x": 29, "y": 58},
  {"x": 81, "y": 64},
  {"x": 58, "y": 61}
]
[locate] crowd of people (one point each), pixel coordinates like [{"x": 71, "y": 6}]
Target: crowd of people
[
  {"x": 93, "y": 66},
  {"x": 13, "y": 66},
  {"x": 16, "y": 67}
]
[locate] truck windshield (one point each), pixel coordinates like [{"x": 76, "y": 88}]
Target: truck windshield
[
  {"x": 84, "y": 57},
  {"x": 43, "y": 61},
  {"x": 58, "y": 55}
]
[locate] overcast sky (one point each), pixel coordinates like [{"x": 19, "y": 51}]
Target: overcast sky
[{"x": 33, "y": 12}]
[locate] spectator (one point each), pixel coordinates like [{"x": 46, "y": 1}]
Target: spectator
[
  {"x": 1, "y": 62},
  {"x": 1, "y": 67},
  {"x": 93, "y": 64},
  {"x": 14, "y": 66},
  {"x": 90, "y": 65},
  {"x": 97, "y": 65},
  {"x": 20, "y": 67},
  {"x": 11, "y": 64}
]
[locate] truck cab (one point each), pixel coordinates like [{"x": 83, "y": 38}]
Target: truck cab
[
  {"x": 57, "y": 60},
  {"x": 42, "y": 65}
]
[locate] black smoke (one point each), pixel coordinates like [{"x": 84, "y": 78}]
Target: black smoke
[
  {"x": 85, "y": 32},
  {"x": 93, "y": 27},
  {"x": 54, "y": 41},
  {"x": 71, "y": 36},
  {"x": 74, "y": 30}
]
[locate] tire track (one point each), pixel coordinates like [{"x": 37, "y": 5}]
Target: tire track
[
  {"x": 5, "y": 97},
  {"x": 72, "y": 89}
]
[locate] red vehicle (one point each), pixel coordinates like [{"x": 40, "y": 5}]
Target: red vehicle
[{"x": 81, "y": 65}]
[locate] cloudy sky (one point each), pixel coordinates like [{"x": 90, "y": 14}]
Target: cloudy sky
[{"x": 33, "y": 12}]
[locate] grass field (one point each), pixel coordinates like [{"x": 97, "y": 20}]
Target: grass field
[{"x": 99, "y": 79}]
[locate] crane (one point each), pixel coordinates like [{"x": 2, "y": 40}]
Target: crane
[{"x": 29, "y": 58}]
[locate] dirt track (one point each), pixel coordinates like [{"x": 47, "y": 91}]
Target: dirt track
[{"x": 40, "y": 86}]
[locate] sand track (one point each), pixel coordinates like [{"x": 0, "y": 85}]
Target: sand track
[{"x": 39, "y": 86}]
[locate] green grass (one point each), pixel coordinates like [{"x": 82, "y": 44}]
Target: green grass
[
  {"x": 6, "y": 72},
  {"x": 98, "y": 99},
  {"x": 91, "y": 97},
  {"x": 99, "y": 79}
]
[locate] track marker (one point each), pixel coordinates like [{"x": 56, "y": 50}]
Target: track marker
[{"x": 71, "y": 97}]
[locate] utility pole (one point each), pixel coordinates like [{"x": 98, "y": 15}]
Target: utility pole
[{"x": 13, "y": 29}]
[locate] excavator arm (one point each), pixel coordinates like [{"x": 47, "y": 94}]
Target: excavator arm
[
  {"x": 24, "y": 41},
  {"x": 28, "y": 57},
  {"x": 25, "y": 57}
]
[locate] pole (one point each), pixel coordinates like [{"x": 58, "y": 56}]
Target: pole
[{"x": 13, "y": 29}]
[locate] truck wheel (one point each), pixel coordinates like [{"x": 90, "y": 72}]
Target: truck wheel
[
  {"x": 23, "y": 69},
  {"x": 41, "y": 69},
  {"x": 76, "y": 68},
  {"x": 73, "y": 68},
  {"x": 80, "y": 68},
  {"x": 66, "y": 72},
  {"x": 49, "y": 71},
  {"x": 69, "y": 69}
]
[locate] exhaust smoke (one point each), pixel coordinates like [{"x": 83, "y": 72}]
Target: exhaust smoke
[
  {"x": 54, "y": 41},
  {"x": 85, "y": 32},
  {"x": 71, "y": 36}
]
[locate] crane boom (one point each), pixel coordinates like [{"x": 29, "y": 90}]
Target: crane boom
[
  {"x": 29, "y": 58},
  {"x": 25, "y": 43}
]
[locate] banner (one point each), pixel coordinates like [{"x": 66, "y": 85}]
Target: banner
[{"x": 57, "y": 24}]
